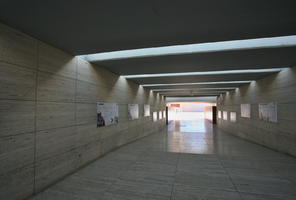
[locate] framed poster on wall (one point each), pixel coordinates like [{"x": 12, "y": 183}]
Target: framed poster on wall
[
  {"x": 246, "y": 110},
  {"x": 133, "y": 111},
  {"x": 233, "y": 116},
  {"x": 160, "y": 114},
  {"x": 268, "y": 111},
  {"x": 154, "y": 116},
  {"x": 107, "y": 114},
  {"x": 146, "y": 110},
  {"x": 225, "y": 117}
]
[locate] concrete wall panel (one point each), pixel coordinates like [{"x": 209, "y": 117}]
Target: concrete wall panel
[
  {"x": 54, "y": 115},
  {"x": 17, "y": 82},
  {"x": 18, "y": 183},
  {"x": 17, "y": 48},
  {"x": 56, "y": 61},
  {"x": 16, "y": 117},
  {"x": 16, "y": 152},
  {"x": 279, "y": 87},
  {"x": 48, "y": 113},
  {"x": 52, "y": 142},
  {"x": 55, "y": 88},
  {"x": 86, "y": 113}
]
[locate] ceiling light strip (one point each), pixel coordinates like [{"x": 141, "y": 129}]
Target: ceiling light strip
[
  {"x": 200, "y": 83},
  {"x": 193, "y": 89},
  {"x": 245, "y": 71},
  {"x": 270, "y": 42}
]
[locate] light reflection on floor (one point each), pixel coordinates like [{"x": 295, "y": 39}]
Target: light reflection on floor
[
  {"x": 186, "y": 115},
  {"x": 192, "y": 126},
  {"x": 190, "y": 136}
]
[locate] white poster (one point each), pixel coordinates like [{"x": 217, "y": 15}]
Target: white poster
[
  {"x": 133, "y": 111},
  {"x": 246, "y": 110},
  {"x": 146, "y": 110},
  {"x": 164, "y": 114},
  {"x": 225, "y": 115},
  {"x": 107, "y": 114},
  {"x": 154, "y": 116},
  {"x": 160, "y": 115},
  {"x": 233, "y": 116},
  {"x": 268, "y": 111},
  {"x": 219, "y": 114}
]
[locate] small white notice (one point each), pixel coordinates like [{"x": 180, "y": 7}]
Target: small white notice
[
  {"x": 268, "y": 111},
  {"x": 146, "y": 110},
  {"x": 160, "y": 115},
  {"x": 246, "y": 110},
  {"x": 233, "y": 116},
  {"x": 154, "y": 116},
  {"x": 225, "y": 117},
  {"x": 107, "y": 114},
  {"x": 133, "y": 111}
]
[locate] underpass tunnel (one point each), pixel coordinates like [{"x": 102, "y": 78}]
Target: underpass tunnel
[{"x": 147, "y": 100}]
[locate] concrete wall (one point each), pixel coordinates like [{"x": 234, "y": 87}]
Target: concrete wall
[
  {"x": 280, "y": 88},
  {"x": 48, "y": 113}
]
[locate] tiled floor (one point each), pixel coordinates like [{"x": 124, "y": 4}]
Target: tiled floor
[{"x": 191, "y": 160}]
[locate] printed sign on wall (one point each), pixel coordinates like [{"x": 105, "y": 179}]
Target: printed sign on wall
[
  {"x": 225, "y": 117},
  {"x": 268, "y": 111},
  {"x": 154, "y": 116},
  {"x": 160, "y": 115},
  {"x": 107, "y": 114},
  {"x": 233, "y": 116},
  {"x": 164, "y": 114},
  {"x": 246, "y": 110},
  {"x": 146, "y": 110},
  {"x": 133, "y": 111}
]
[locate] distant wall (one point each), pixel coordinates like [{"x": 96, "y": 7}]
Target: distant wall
[
  {"x": 280, "y": 88},
  {"x": 48, "y": 113}
]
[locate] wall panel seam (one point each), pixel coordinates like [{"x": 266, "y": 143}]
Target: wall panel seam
[{"x": 35, "y": 116}]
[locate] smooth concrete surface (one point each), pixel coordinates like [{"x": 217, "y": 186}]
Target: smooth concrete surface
[
  {"x": 188, "y": 161},
  {"x": 48, "y": 113},
  {"x": 104, "y": 26},
  {"x": 279, "y": 88}
]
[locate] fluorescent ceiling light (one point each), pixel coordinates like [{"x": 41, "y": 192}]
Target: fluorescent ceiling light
[
  {"x": 192, "y": 93},
  {"x": 193, "y": 89},
  {"x": 271, "y": 42},
  {"x": 244, "y": 71},
  {"x": 188, "y": 99},
  {"x": 200, "y": 83}
]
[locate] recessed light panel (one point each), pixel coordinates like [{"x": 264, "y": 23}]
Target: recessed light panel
[
  {"x": 200, "y": 83},
  {"x": 245, "y": 71},
  {"x": 271, "y": 42}
]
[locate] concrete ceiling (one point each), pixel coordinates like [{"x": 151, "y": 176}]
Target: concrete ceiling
[
  {"x": 203, "y": 78},
  {"x": 92, "y": 26},
  {"x": 84, "y": 27}
]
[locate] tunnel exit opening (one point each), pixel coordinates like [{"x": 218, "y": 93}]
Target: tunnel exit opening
[{"x": 192, "y": 111}]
